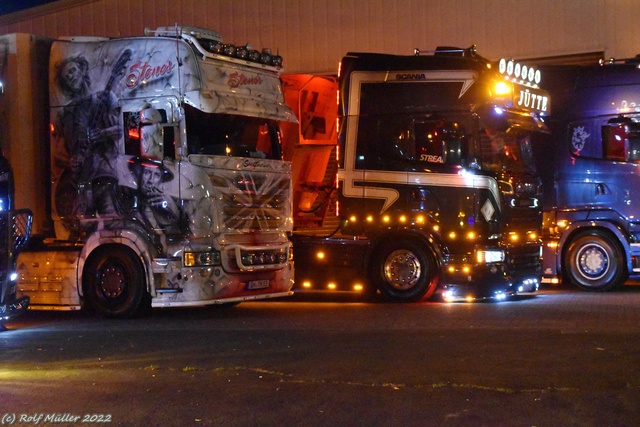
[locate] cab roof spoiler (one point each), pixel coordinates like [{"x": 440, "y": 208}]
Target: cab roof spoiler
[{"x": 449, "y": 51}]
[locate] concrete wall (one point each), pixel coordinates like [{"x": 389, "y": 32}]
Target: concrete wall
[{"x": 312, "y": 35}]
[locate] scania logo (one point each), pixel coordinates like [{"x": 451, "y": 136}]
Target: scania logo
[{"x": 411, "y": 76}]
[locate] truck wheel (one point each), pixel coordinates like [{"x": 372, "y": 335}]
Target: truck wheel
[
  {"x": 404, "y": 272},
  {"x": 113, "y": 282},
  {"x": 595, "y": 262}
]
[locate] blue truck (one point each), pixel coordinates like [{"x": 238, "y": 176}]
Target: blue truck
[{"x": 589, "y": 165}]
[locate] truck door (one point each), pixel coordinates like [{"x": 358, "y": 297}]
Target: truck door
[
  {"x": 573, "y": 191},
  {"x": 150, "y": 164},
  {"x": 605, "y": 149}
]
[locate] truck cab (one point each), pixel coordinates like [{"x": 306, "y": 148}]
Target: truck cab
[
  {"x": 154, "y": 168},
  {"x": 436, "y": 183},
  {"x": 590, "y": 171}
]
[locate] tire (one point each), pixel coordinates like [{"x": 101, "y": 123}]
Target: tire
[
  {"x": 594, "y": 261},
  {"x": 404, "y": 271},
  {"x": 114, "y": 283}
]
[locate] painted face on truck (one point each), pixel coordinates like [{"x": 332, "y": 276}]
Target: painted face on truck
[
  {"x": 73, "y": 75},
  {"x": 151, "y": 178}
]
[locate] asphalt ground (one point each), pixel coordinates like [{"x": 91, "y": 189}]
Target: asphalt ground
[{"x": 561, "y": 357}]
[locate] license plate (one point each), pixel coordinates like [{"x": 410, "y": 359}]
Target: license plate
[{"x": 258, "y": 284}]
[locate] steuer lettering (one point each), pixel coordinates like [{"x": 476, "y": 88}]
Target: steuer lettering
[
  {"x": 140, "y": 72},
  {"x": 236, "y": 80}
]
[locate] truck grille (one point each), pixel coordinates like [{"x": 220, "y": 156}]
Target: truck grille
[
  {"x": 523, "y": 211},
  {"x": 255, "y": 201},
  {"x": 525, "y": 257},
  {"x": 524, "y": 221}
]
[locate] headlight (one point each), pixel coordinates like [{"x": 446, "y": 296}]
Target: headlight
[
  {"x": 263, "y": 257},
  {"x": 488, "y": 256},
  {"x": 201, "y": 259},
  {"x": 502, "y": 88}
]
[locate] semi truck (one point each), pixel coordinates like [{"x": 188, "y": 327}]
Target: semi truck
[
  {"x": 590, "y": 168},
  {"x": 15, "y": 227},
  {"x": 153, "y": 167},
  {"x": 436, "y": 187}
]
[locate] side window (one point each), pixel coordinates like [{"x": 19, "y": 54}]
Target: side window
[
  {"x": 614, "y": 141},
  {"x": 383, "y": 140},
  {"x": 621, "y": 139},
  {"x": 313, "y": 123},
  {"x": 397, "y": 142},
  {"x": 133, "y": 135},
  {"x": 169, "y": 139},
  {"x": 633, "y": 149},
  {"x": 402, "y": 142},
  {"x": 440, "y": 140},
  {"x": 429, "y": 141}
]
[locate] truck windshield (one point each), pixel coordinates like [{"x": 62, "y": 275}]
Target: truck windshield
[
  {"x": 506, "y": 150},
  {"x": 231, "y": 135},
  {"x": 401, "y": 141}
]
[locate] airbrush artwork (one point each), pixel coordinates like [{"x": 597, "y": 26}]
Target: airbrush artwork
[{"x": 166, "y": 175}]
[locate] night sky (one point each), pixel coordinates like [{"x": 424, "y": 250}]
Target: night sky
[{"x": 10, "y": 6}]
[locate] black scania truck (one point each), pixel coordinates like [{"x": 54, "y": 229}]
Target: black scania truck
[
  {"x": 437, "y": 189},
  {"x": 15, "y": 227}
]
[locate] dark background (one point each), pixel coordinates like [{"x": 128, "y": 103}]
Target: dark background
[{"x": 10, "y": 6}]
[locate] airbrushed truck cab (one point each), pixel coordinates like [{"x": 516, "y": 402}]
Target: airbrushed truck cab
[
  {"x": 166, "y": 172},
  {"x": 436, "y": 180}
]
